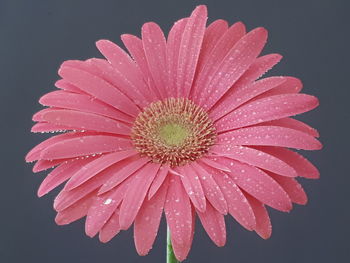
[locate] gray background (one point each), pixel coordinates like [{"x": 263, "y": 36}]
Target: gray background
[{"x": 36, "y": 36}]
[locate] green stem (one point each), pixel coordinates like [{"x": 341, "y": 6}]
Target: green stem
[{"x": 170, "y": 257}]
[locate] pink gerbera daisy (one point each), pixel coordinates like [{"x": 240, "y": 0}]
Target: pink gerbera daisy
[{"x": 183, "y": 125}]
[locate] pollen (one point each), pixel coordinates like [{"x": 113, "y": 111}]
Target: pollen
[{"x": 173, "y": 131}]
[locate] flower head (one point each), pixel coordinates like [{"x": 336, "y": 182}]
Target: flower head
[{"x": 183, "y": 125}]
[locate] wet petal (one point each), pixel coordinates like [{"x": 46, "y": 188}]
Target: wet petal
[
  {"x": 84, "y": 145},
  {"x": 267, "y": 109},
  {"x": 154, "y": 45},
  {"x": 270, "y": 136},
  {"x": 263, "y": 223},
  {"x": 136, "y": 194},
  {"x": 190, "y": 48},
  {"x": 214, "y": 224},
  {"x": 256, "y": 158},
  {"x": 111, "y": 228},
  {"x": 158, "y": 180},
  {"x": 147, "y": 221}
]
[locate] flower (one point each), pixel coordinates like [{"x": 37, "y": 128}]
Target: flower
[{"x": 184, "y": 125}]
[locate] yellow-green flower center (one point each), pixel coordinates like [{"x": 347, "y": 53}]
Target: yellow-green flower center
[
  {"x": 173, "y": 131},
  {"x": 173, "y": 134}
]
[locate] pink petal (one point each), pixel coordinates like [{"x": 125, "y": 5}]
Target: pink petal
[
  {"x": 211, "y": 189},
  {"x": 260, "y": 66},
  {"x": 270, "y": 136},
  {"x": 34, "y": 154},
  {"x": 193, "y": 187},
  {"x": 123, "y": 174},
  {"x": 125, "y": 67},
  {"x": 178, "y": 214},
  {"x": 303, "y": 167},
  {"x": 267, "y": 109},
  {"x": 263, "y": 223},
  {"x": 147, "y": 221},
  {"x": 214, "y": 224},
  {"x": 214, "y": 164},
  {"x": 66, "y": 198},
  {"x": 294, "y": 190},
  {"x": 290, "y": 86},
  {"x": 136, "y": 193},
  {"x": 235, "y": 63},
  {"x": 82, "y": 102},
  {"x": 154, "y": 45},
  {"x": 104, "y": 69},
  {"x": 190, "y": 48},
  {"x": 259, "y": 184},
  {"x": 255, "y": 158},
  {"x": 44, "y": 127},
  {"x": 237, "y": 203},
  {"x": 243, "y": 93},
  {"x": 60, "y": 174},
  {"x": 99, "y": 89},
  {"x": 213, "y": 60},
  {"x": 84, "y": 145},
  {"x": 294, "y": 124},
  {"x": 135, "y": 48},
  {"x": 158, "y": 180},
  {"x": 76, "y": 211},
  {"x": 111, "y": 228},
  {"x": 43, "y": 165},
  {"x": 92, "y": 168},
  {"x": 86, "y": 121},
  {"x": 173, "y": 48},
  {"x": 211, "y": 37},
  {"x": 66, "y": 86},
  {"x": 102, "y": 209}
]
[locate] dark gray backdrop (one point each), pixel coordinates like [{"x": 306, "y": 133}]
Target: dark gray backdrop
[{"x": 36, "y": 36}]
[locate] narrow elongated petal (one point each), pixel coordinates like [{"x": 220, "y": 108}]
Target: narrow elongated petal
[
  {"x": 189, "y": 49},
  {"x": 237, "y": 203},
  {"x": 179, "y": 217},
  {"x": 270, "y": 136},
  {"x": 267, "y": 109},
  {"x": 256, "y": 158},
  {"x": 94, "y": 167},
  {"x": 294, "y": 190},
  {"x": 119, "y": 176},
  {"x": 259, "y": 184},
  {"x": 211, "y": 36},
  {"x": 34, "y": 154},
  {"x": 300, "y": 164},
  {"x": 123, "y": 65},
  {"x": 111, "y": 228},
  {"x": 211, "y": 189},
  {"x": 66, "y": 86},
  {"x": 61, "y": 174},
  {"x": 67, "y": 198},
  {"x": 154, "y": 45},
  {"x": 213, "y": 60},
  {"x": 86, "y": 121},
  {"x": 173, "y": 48},
  {"x": 260, "y": 66},
  {"x": 135, "y": 48},
  {"x": 85, "y": 145},
  {"x": 102, "y": 209},
  {"x": 293, "y": 124},
  {"x": 214, "y": 224},
  {"x": 192, "y": 184},
  {"x": 148, "y": 219},
  {"x": 158, "y": 180},
  {"x": 76, "y": 211},
  {"x": 263, "y": 223},
  {"x": 99, "y": 88},
  {"x": 136, "y": 194},
  {"x": 82, "y": 102},
  {"x": 235, "y": 63}
]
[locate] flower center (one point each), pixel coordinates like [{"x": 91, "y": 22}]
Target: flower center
[{"x": 173, "y": 131}]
